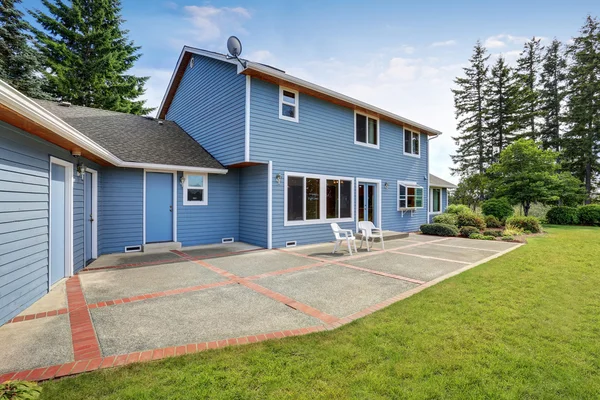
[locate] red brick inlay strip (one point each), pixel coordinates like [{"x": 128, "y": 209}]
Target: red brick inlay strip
[
  {"x": 44, "y": 314},
  {"x": 147, "y": 296},
  {"x": 85, "y": 343}
]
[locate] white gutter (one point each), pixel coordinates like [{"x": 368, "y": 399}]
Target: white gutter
[{"x": 14, "y": 100}]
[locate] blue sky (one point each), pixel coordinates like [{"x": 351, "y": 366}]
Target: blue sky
[{"x": 401, "y": 56}]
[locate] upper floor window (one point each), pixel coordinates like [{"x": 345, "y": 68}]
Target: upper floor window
[
  {"x": 366, "y": 130},
  {"x": 411, "y": 142},
  {"x": 288, "y": 104},
  {"x": 195, "y": 189},
  {"x": 410, "y": 195}
]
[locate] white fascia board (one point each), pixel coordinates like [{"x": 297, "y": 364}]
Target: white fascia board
[
  {"x": 328, "y": 92},
  {"x": 166, "y": 167}
]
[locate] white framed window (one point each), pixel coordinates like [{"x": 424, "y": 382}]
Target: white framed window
[
  {"x": 288, "y": 104},
  {"x": 412, "y": 144},
  {"x": 436, "y": 200},
  {"x": 366, "y": 130},
  {"x": 316, "y": 199},
  {"x": 195, "y": 189},
  {"x": 410, "y": 196}
]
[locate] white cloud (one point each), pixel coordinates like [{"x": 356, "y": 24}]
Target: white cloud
[
  {"x": 503, "y": 40},
  {"x": 156, "y": 86},
  {"x": 211, "y": 23},
  {"x": 261, "y": 56},
  {"x": 444, "y": 43}
]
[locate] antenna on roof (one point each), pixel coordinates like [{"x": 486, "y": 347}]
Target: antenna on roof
[{"x": 234, "y": 47}]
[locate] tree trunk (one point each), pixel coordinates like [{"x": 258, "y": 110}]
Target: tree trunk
[
  {"x": 588, "y": 182},
  {"x": 526, "y": 208}
]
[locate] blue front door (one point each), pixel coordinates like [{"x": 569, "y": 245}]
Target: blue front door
[
  {"x": 88, "y": 216},
  {"x": 58, "y": 201},
  {"x": 159, "y": 207}
]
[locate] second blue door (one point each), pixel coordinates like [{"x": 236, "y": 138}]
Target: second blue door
[{"x": 159, "y": 207}]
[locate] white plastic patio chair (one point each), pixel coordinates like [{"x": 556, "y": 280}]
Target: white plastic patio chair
[
  {"x": 368, "y": 231},
  {"x": 343, "y": 235}
]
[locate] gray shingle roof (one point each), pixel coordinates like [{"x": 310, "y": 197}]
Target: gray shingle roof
[
  {"x": 134, "y": 138},
  {"x": 436, "y": 181}
]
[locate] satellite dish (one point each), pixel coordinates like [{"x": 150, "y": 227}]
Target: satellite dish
[{"x": 234, "y": 46}]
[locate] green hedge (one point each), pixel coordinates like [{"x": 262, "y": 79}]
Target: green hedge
[
  {"x": 563, "y": 216},
  {"x": 531, "y": 224},
  {"x": 466, "y": 231},
  {"x": 470, "y": 219},
  {"x": 492, "y": 222},
  {"x": 493, "y": 233},
  {"x": 439, "y": 229},
  {"x": 457, "y": 209},
  {"x": 589, "y": 215},
  {"x": 448, "y": 219},
  {"x": 499, "y": 208}
]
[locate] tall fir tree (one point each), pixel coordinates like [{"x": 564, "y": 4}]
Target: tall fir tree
[
  {"x": 528, "y": 65},
  {"x": 19, "y": 62},
  {"x": 88, "y": 55},
  {"x": 582, "y": 140},
  {"x": 471, "y": 155},
  {"x": 500, "y": 92},
  {"x": 553, "y": 81}
]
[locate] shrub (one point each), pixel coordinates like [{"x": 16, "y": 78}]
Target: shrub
[
  {"x": 19, "y": 390},
  {"x": 499, "y": 208},
  {"x": 562, "y": 216},
  {"x": 488, "y": 237},
  {"x": 508, "y": 238},
  {"x": 448, "y": 219},
  {"x": 512, "y": 231},
  {"x": 457, "y": 209},
  {"x": 526, "y": 223},
  {"x": 589, "y": 215},
  {"x": 466, "y": 231},
  {"x": 475, "y": 236},
  {"x": 492, "y": 233},
  {"x": 439, "y": 229},
  {"x": 470, "y": 219},
  {"x": 492, "y": 222}
]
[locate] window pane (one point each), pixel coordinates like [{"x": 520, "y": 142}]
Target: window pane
[
  {"x": 402, "y": 190},
  {"x": 436, "y": 200},
  {"x": 410, "y": 201},
  {"x": 402, "y": 203},
  {"x": 332, "y": 198},
  {"x": 295, "y": 198},
  {"x": 372, "y": 131},
  {"x": 419, "y": 197},
  {"x": 195, "y": 181},
  {"x": 346, "y": 199},
  {"x": 312, "y": 198},
  {"x": 361, "y": 128},
  {"x": 407, "y": 141},
  {"x": 289, "y": 97},
  {"x": 416, "y": 143},
  {"x": 288, "y": 111},
  {"x": 195, "y": 194},
  {"x": 411, "y": 191}
]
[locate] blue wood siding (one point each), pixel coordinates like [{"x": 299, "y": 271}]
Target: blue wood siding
[
  {"x": 322, "y": 142},
  {"x": 210, "y": 106},
  {"x": 120, "y": 209},
  {"x": 24, "y": 211},
  {"x": 206, "y": 224},
  {"x": 253, "y": 205}
]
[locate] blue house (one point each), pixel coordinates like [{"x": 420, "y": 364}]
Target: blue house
[{"x": 237, "y": 153}]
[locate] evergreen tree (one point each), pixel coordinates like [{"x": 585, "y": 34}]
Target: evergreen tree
[
  {"x": 500, "y": 92},
  {"x": 582, "y": 140},
  {"x": 471, "y": 156},
  {"x": 19, "y": 63},
  {"x": 552, "y": 95},
  {"x": 528, "y": 65},
  {"x": 88, "y": 55}
]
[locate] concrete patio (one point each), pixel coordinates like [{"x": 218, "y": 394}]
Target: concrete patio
[{"x": 136, "y": 307}]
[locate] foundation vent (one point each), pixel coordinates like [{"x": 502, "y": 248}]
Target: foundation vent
[
  {"x": 132, "y": 249},
  {"x": 227, "y": 240},
  {"x": 291, "y": 243}
]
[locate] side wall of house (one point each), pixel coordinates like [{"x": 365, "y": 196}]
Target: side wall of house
[
  {"x": 253, "y": 205},
  {"x": 24, "y": 218},
  {"x": 322, "y": 142},
  {"x": 210, "y": 105}
]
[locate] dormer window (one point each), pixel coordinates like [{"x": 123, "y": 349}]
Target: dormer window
[
  {"x": 288, "y": 104},
  {"x": 366, "y": 130}
]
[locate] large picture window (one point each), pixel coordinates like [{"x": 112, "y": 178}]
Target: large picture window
[
  {"x": 314, "y": 199},
  {"x": 195, "y": 189},
  {"x": 410, "y": 196},
  {"x": 366, "y": 130},
  {"x": 411, "y": 143}
]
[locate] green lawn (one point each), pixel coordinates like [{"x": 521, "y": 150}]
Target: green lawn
[{"x": 525, "y": 325}]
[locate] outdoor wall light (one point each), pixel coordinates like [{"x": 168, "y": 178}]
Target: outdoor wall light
[
  {"x": 80, "y": 169},
  {"x": 278, "y": 179},
  {"x": 182, "y": 180}
]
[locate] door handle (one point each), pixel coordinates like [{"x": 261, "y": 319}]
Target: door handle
[
  {"x": 171, "y": 208},
  {"x": 91, "y": 218}
]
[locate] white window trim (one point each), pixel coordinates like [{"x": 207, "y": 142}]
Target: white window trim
[
  {"x": 282, "y": 102},
  {"x": 431, "y": 189},
  {"x": 322, "y": 200},
  {"x": 379, "y": 200},
  {"x": 94, "y": 211},
  {"x": 411, "y": 154},
  {"x": 373, "y": 146},
  {"x": 187, "y": 202},
  {"x": 408, "y": 185}
]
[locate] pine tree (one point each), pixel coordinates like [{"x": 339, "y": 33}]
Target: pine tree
[
  {"x": 19, "y": 63},
  {"x": 528, "y": 65},
  {"x": 552, "y": 95},
  {"x": 500, "y": 92},
  {"x": 471, "y": 156},
  {"x": 88, "y": 55},
  {"x": 582, "y": 140}
]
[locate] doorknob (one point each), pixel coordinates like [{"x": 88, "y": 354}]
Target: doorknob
[
  {"x": 91, "y": 218},
  {"x": 171, "y": 208}
]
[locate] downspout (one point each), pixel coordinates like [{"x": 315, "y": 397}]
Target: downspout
[{"x": 428, "y": 175}]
